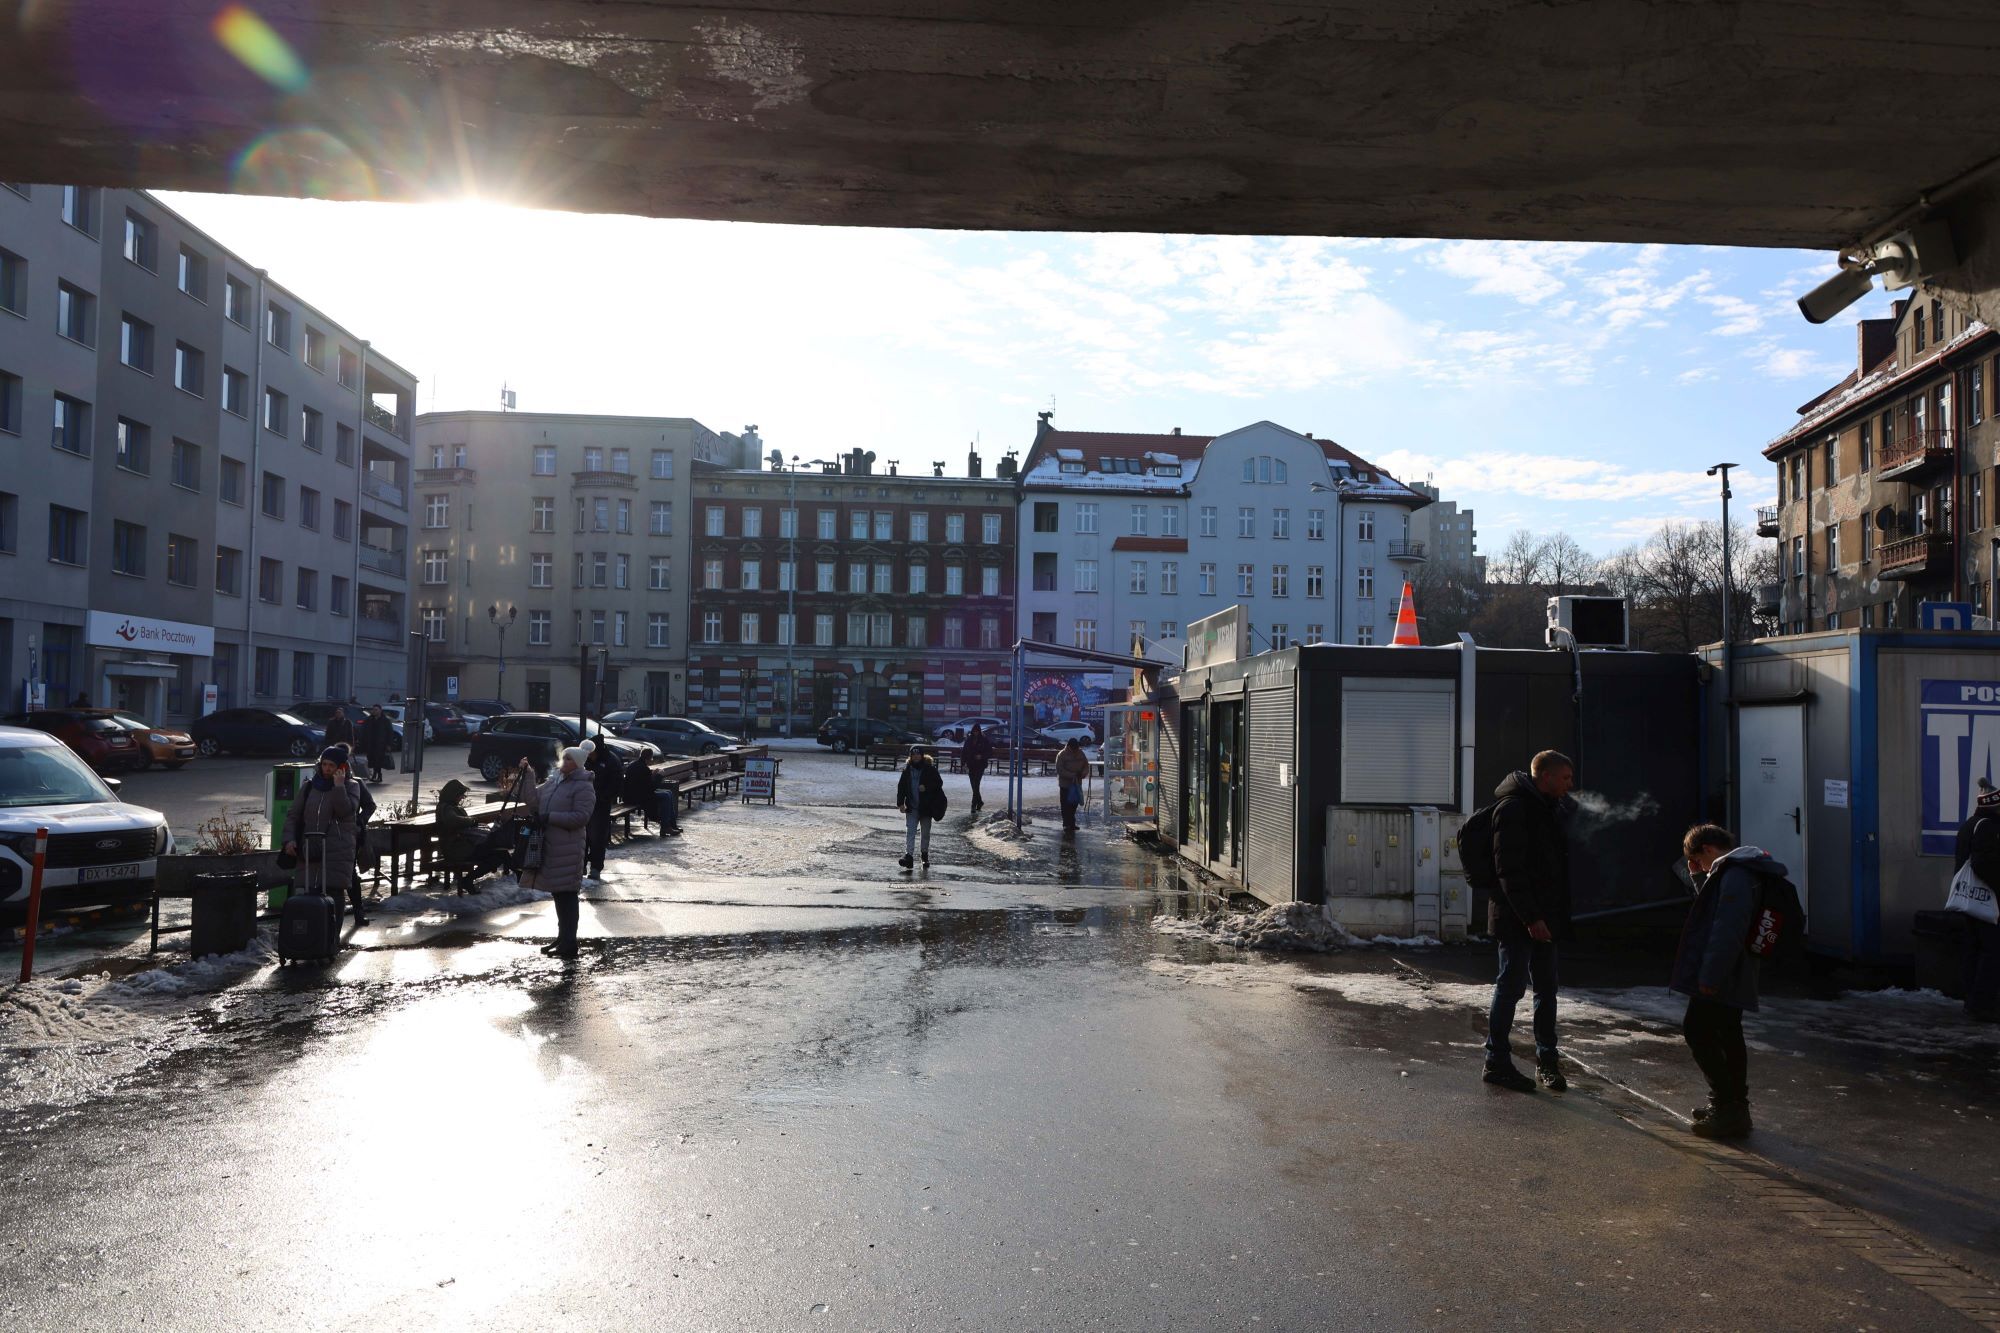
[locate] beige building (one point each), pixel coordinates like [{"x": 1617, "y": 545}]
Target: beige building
[{"x": 541, "y": 536}]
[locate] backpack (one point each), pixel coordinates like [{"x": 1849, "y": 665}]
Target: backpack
[
  {"x": 1475, "y": 848},
  {"x": 1778, "y": 930},
  {"x": 934, "y": 801}
]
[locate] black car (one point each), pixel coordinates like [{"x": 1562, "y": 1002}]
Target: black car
[
  {"x": 319, "y": 714},
  {"x": 858, "y": 733},
  {"x": 540, "y": 738},
  {"x": 446, "y": 724},
  {"x": 677, "y": 735},
  {"x": 476, "y": 711},
  {"x": 256, "y": 731}
]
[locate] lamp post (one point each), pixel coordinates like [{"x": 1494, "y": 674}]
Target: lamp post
[
  {"x": 792, "y": 595},
  {"x": 1338, "y": 489},
  {"x": 1728, "y": 662},
  {"x": 493, "y": 615}
]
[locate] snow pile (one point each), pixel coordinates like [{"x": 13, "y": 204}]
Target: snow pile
[
  {"x": 1293, "y": 927},
  {"x": 1001, "y": 826},
  {"x": 506, "y": 891},
  {"x": 212, "y": 972}
]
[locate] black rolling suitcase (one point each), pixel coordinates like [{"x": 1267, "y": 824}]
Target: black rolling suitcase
[{"x": 309, "y": 922}]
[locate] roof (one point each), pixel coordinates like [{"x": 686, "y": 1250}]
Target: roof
[
  {"x": 1101, "y": 453},
  {"x": 1858, "y": 390}
]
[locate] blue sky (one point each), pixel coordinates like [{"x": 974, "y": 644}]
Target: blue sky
[{"x": 1584, "y": 388}]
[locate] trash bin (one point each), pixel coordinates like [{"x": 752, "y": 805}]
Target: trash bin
[
  {"x": 225, "y": 912},
  {"x": 1939, "y": 939}
]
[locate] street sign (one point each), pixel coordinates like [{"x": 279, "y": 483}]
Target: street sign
[
  {"x": 760, "y": 780},
  {"x": 451, "y": 688},
  {"x": 1944, "y": 615},
  {"x": 211, "y": 698}
]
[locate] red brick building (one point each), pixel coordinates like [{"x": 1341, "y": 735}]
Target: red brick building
[{"x": 835, "y": 590}]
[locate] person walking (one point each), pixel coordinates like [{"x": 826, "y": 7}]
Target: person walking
[
  {"x": 976, "y": 755},
  {"x": 1717, "y": 972},
  {"x": 374, "y": 737},
  {"x": 1979, "y": 842},
  {"x": 331, "y": 806},
  {"x": 920, "y": 796},
  {"x": 607, "y": 778},
  {"x": 1529, "y": 913},
  {"x": 564, "y": 804},
  {"x": 1072, "y": 768},
  {"x": 339, "y": 730}
]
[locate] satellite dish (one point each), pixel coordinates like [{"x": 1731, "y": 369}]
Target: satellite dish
[{"x": 1885, "y": 519}]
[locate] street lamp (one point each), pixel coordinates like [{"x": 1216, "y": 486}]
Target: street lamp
[
  {"x": 1338, "y": 489},
  {"x": 493, "y": 614},
  {"x": 1730, "y": 803}
]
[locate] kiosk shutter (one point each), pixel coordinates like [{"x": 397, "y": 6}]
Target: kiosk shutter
[
  {"x": 1271, "y": 841},
  {"x": 1398, "y": 741},
  {"x": 1170, "y": 775}
]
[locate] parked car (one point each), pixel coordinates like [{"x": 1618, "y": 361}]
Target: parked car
[
  {"x": 96, "y": 739},
  {"x": 619, "y": 720},
  {"x": 959, "y": 730},
  {"x": 1060, "y": 732},
  {"x": 851, "y": 733},
  {"x": 446, "y": 724},
  {"x": 395, "y": 712},
  {"x": 477, "y": 711},
  {"x": 319, "y": 714},
  {"x": 539, "y": 738},
  {"x": 101, "y": 851},
  {"x": 170, "y": 747},
  {"x": 256, "y": 731},
  {"x": 679, "y": 735}
]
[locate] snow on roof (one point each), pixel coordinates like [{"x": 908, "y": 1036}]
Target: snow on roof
[
  {"x": 1884, "y": 377},
  {"x": 1042, "y": 468}
]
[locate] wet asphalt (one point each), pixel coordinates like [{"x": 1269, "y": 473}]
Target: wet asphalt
[{"x": 992, "y": 1097}]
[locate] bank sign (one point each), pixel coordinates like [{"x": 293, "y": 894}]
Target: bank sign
[
  {"x": 1961, "y": 744},
  {"x": 103, "y": 629}
]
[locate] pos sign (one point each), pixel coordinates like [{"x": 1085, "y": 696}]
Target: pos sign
[{"x": 1960, "y": 739}]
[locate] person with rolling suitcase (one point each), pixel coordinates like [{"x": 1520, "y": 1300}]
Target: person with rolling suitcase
[{"x": 330, "y": 805}]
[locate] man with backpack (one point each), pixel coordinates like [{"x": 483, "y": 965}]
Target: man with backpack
[
  {"x": 1527, "y": 877},
  {"x": 1717, "y": 966}
]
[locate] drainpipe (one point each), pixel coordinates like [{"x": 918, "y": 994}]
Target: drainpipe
[
  {"x": 255, "y": 500},
  {"x": 360, "y": 466},
  {"x": 1468, "y": 721}
]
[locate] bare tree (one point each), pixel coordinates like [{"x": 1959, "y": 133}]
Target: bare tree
[
  {"x": 1566, "y": 565},
  {"x": 1674, "y": 581},
  {"x": 1519, "y": 561}
]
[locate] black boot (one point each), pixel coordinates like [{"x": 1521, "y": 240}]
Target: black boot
[
  {"x": 1725, "y": 1122},
  {"x": 1549, "y": 1071},
  {"x": 1506, "y": 1076}
]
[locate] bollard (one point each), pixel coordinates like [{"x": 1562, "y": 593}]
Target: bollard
[{"x": 34, "y": 904}]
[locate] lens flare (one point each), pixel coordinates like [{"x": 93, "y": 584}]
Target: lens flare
[
  {"x": 260, "y": 48},
  {"x": 305, "y": 163}
]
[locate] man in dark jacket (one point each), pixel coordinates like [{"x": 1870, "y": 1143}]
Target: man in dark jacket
[
  {"x": 373, "y": 738},
  {"x": 1979, "y": 843},
  {"x": 1717, "y": 972},
  {"x": 978, "y": 753},
  {"x": 920, "y": 796},
  {"x": 1528, "y": 912},
  {"x": 339, "y": 731},
  {"x": 607, "y": 776}
]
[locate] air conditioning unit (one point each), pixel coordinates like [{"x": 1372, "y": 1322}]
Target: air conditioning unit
[{"x": 1589, "y": 622}]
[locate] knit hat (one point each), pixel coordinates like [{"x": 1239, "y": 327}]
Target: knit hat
[
  {"x": 334, "y": 754},
  {"x": 1989, "y": 795},
  {"x": 580, "y": 754}
]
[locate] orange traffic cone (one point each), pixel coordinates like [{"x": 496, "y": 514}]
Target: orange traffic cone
[{"x": 1406, "y": 620}]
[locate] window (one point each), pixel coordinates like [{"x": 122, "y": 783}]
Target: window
[
  {"x": 541, "y": 569},
  {"x": 1315, "y": 580},
  {"x": 1833, "y": 546},
  {"x": 436, "y": 566},
  {"x": 1086, "y": 518},
  {"x": 1314, "y": 634},
  {"x": 621, "y": 571},
  {"x": 1798, "y": 569},
  {"x": 857, "y": 577},
  {"x": 989, "y": 581},
  {"x": 1281, "y": 524},
  {"x": 1315, "y": 525},
  {"x": 1281, "y": 580},
  {"x": 823, "y": 576},
  {"x": 885, "y": 526},
  {"x": 188, "y": 377},
  {"x": 267, "y": 672},
  {"x": 309, "y": 508},
  {"x": 597, "y": 627},
  {"x": 920, "y": 526},
  {"x": 661, "y": 521},
  {"x": 593, "y": 459},
  {"x": 228, "y": 571},
  {"x": 235, "y": 391},
  {"x": 277, "y": 411},
  {"x": 619, "y": 621},
  {"x": 236, "y": 301},
  {"x": 919, "y": 577},
  {"x": 1046, "y": 516},
  {"x": 76, "y": 314},
  {"x": 1246, "y": 580},
  {"x": 543, "y": 515},
  {"x": 621, "y": 461},
  {"x": 229, "y": 484},
  {"x": 336, "y": 677},
  {"x": 711, "y": 627},
  {"x": 437, "y": 511},
  {"x": 135, "y": 343},
  {"x": 347, "y": 368},
  {"x": 752, "y": 574},
  {"x": 656, "y": 630},
  {"x": 989, "y": 529},
  {"x": 624, "y": 515},
  {"x": 989, "y": 632},
  {"x": 916, "y": 632},
  {"x": 1281, "y": 637},
  {"x": 68, "y": 535},
  {"x": 787, "y": 573},
  {"x": 829, "y": 522},
  {"x": 1170, "y": 578},
  {"x": 1976, "y": 518},
  {"x": 1867, "y": 535},
  {"x": 1364, "y": 635},
  {"x": 1364, "y": 525},
  {"x": 540, "y": 625},
  {"x": 278, "y": 326},
  {"x": 1832, "y": 469},
  {"x": 312, "y": 429},
  {"x": 79, "y": 208},
  {"x": 306, "y": 588},
  {"x": 711, "y": 574},
  {"x": 954, "y": 632},
  {"x": 954, "y": 579},
  {"x": 788, "y": 524},
  {"x": 663, "y": 469},
  {"x": 712, "y": 524},
  {"x": 432, "y": 619},
  {"x": 135, "y": 446},
  {"x": 857, "y": 525},
  {"x": 13, "y": 282},
  {"x": 1084, "y": 634},
  {"x": 1798, "y": 489},
  {"x": 71, "y": 428},
  {"x": 1246, "y": 521},
  {"x": 1868, "y": 438},
  {"x": 545, "y": 460},
  {"x": 753, "y": 521},
  {"x": 1136, "y": 577},
  {"x": 1978, "y": 403},
  {"x": 823, "y": 630},
  {"x": 1086, "y": 576},
  {"x": 885, "y": 578},
  {"x": 343, "y": 520},
  {"x": 1937, "y": 321},
  {"x": 1364, "y": 581},
  {"x": 600, "y": 514},
  {"x": 270, "y": 580},
  {"x": 274, "y": 495},
  {"x": 128, "y": 549},
  {"x": 313, "y": 353},
  {"x": 1206, "y": 574}
]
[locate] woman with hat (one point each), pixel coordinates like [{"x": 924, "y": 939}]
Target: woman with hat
[
  {"x": 564, "y": 804},
  {"x": 331, "y": 806}
]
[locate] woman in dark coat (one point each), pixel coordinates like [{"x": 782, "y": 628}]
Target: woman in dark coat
[
  {"x": 978, "y": 752},
  {"x": 339, "y": 731},
  {"x": 607, "y": 777},
  {"x": 374, "y": 739}
]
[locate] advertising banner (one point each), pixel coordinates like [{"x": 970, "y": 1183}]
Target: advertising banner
[{"x": 1959, "y": 731}]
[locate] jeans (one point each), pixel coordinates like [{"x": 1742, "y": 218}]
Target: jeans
[
  {"x": 912, "y": 822},
  {"x": 566, "y": 917},
  {"x": 1522, "y": 959},
  {"x": 1982, "y": 969},
  {"x": 1714, "y": 1034},
  {"x": 975, "y": 772},
  {"x": 667, "y": 810}
]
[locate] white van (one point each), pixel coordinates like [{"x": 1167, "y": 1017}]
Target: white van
[{"x": 101, "y": 850}]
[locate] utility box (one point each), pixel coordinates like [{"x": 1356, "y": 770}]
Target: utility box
[
  {"x": 1370, "y": 870},
  {"x": 1440, "y": 899},
  {"x": 284, "y": 785}
]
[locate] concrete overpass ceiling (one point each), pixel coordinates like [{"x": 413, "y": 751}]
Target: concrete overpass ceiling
[{"x": 1757, "y": 122}]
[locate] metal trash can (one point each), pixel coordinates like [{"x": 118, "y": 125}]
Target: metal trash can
[{"x": 225, "y": 912}]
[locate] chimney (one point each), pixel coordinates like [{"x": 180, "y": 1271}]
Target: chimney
[
  {"x": 1009, "y": 466},
  {"x": 892, "y": 467},
  {"x": 937, "y": 469},
  {"x": 867, "y": 463},
  {"x": 1042, "y": 426},
  {"x": 1177, "y": 430},
  {"x": 972, "y": 463},
  {"x": 1873, "y": 340}
]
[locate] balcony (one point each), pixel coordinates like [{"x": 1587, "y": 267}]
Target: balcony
[
  {"x": 383, "y": 419},
  {"x": 1914, "y": 453},
  {"x": 447, "y": 476},
  {"x": 1408, "y": 552},
  {"x": 579, "y": 480},
  {"x": 375, "y": 488},
  {"x": 384, "y": 561},
  {"x": 379, "y": 629},
  {"x": 1767, "y": 520},
  {"x": 1765, "y": 599},
  {"x": 1914, "y": 557}
]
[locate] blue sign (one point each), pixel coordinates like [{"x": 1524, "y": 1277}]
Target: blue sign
[
  {"x": 1959, "y": 730},
  {"x": 1944, "y": 615}
]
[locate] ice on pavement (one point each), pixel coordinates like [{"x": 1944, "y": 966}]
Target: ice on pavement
[
  {"x": 1288, "y": 927},
  {"x": 506, "y": 891}
]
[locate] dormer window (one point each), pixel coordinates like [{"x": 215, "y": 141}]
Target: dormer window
[{"x": 1072, "y": 469}]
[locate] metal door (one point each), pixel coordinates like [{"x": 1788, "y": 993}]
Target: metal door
[{"x": 1771, "y": 757}]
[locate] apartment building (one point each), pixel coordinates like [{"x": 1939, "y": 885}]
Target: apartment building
[
  {"x": 203, "y": 501},
  {"x": 1886, "y": 485},
  {"x": 830, "y": 589},
  {"x": 542, "y": 537},
  {"x": 1449, "y": 535},
  {"x": 1127, "y": 538}
]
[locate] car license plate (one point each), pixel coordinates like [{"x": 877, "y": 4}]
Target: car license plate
[{"x": 92, "y": 874}]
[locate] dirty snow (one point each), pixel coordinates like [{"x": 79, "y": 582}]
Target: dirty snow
[
  {"x": 506, "y": 891},
  {"x": 1293, "y": 927}
]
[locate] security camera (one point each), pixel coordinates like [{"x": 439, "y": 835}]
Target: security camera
[
  {"x": 1837, "y": 293},
  {"x": 1923, "y": 250}
]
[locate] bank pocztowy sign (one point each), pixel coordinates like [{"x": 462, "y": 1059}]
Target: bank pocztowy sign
[{"x": 104, "y": 629}]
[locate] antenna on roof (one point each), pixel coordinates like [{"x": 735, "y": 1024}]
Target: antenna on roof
[{"x": 506, "y": 397}]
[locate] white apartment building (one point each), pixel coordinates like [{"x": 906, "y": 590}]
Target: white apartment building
[{"x": 1126, "y": 538}]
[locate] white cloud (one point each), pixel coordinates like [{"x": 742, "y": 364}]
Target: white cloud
[
  {"x": 1739, "y": 317},
  {"x": 1699, "y": 375},
  {"x": 1527, "y": 271},
  {"x": 1546, "y": 477}
]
